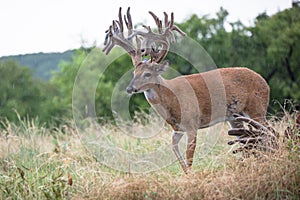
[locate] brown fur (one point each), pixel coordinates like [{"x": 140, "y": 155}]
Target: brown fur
[{"x": 196, "y": 101}]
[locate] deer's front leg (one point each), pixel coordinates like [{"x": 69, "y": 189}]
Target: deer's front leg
[
  {"x": 175, "y": 140},
  {"x": 190, "y": 149}
]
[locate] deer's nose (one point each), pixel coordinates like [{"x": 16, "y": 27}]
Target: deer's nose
[{"x": 129, "y": 89}]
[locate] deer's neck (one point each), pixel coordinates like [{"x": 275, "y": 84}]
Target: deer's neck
[
  {"x": 162, "y": 98},
  {"x": 156, "y": 93}
]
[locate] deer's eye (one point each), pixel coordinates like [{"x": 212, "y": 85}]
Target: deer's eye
[{"x": 147, "y": 75}]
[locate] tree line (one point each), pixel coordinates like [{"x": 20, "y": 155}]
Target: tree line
[
  {"x": 271, "y": 47},
  {"x": 41, "y": 64}
]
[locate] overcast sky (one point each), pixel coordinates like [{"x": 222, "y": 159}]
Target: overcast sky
[{"x": 32, "y": 26}]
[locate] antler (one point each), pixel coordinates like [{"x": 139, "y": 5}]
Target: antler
[
  {"x": 255, "y": 136},
  {"x": 115, "y": 36},
  {"x": 165, "y": 36}
]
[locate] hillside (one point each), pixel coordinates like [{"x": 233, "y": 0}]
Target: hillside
[{"x": 42, "y": 64}]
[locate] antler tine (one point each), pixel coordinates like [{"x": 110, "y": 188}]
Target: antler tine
[
  {"x": 128, "y": 21},
  {"x": 138, "y": 44},
  {"x": 176, "y": 28},
  {"x": 173, "y": 27},
  {"x": 107, "y": 38},
  {"x": 157, "y": 21},
  {"x": 166, "y": 36},
  {"x": 108, "y": 41},
  {"x": 166, "y": 19},
  {"x": 115, "y": 36},
  {"x": 172, "y": 20},
  {"x": 115, "y": 27},
  {"x": 121, "y": 21}
]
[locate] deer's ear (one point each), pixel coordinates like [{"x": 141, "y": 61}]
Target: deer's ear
[{"x": 161, "y": 68}]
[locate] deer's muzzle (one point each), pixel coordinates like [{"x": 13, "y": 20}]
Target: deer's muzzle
[{"x": 131, "y": 89}]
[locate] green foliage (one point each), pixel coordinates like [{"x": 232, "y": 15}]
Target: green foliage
[
  {"x": 270, "y": 47},
  {"x": 19, "y": 91},
  {"x": 41, "y": 64},
  {"x": 278, "y": 39},
  {"x": 23, "y": 96},
  {"x": 86, "y": 81},
  {"x": 211, "y": 34},
  {"x": 64, "y": 80}
]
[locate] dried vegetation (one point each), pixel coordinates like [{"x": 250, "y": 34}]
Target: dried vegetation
[{"x": 51, "y": 163}]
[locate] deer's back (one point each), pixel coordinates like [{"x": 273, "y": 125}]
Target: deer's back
[{"x": 222, "y": 92}]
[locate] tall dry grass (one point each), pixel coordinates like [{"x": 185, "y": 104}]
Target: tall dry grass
[{"x": 53, "y": 163}]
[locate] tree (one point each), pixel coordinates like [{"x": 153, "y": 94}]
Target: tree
[
  {"x": 63, "y": 80},
  {"x": 277, "y": 41},
  {"x": 19, "y": 92},
  {"x": 83, "y": 85},
  {"x": 211, "y": 34},
  {"x": 271, "y": 47}
]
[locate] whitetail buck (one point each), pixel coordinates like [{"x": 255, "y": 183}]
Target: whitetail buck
[{"x": 186, "y": 102}]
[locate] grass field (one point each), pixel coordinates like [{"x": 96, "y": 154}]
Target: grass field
[{"x": 55, "y": 163}]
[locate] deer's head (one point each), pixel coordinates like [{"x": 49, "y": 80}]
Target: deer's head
[
  {"x": 145, "y": 75},
  {"x": 147, "y": 43}
]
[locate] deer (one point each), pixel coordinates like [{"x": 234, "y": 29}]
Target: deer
[{"x": 187, "y": 102}]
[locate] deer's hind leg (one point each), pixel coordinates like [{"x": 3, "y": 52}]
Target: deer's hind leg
[
  {"x": 257, "y": 106},
  {"x": 191, "y": 146}
]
